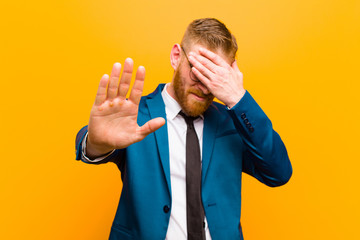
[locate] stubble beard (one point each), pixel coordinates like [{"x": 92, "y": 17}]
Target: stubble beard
[{"x": 190, "y": 106}]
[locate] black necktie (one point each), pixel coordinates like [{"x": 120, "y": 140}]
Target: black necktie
[{"x": 194, "y": 207}]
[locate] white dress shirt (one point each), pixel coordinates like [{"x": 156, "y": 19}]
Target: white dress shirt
[{"x": 177, "y": 128}]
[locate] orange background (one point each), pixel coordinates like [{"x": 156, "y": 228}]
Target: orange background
[{"x": 300, "y": 61}]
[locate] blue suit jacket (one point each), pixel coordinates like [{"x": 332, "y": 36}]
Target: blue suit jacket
[{"x": 234, "y": 141}]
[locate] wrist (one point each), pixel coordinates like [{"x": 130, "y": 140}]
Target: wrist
[
  {"x": 233, "y": 100},
  {"x": 95, "y": 150}
]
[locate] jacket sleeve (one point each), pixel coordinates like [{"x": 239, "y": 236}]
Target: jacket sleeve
[
  {"x": 265, "y": 156},
  {"x": 114, "y": 156}
]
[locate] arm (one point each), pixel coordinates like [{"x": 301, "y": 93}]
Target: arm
[{"x": 265, "y": 157}]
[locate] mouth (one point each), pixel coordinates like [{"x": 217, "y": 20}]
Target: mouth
[{"x": 198, "y": 97}]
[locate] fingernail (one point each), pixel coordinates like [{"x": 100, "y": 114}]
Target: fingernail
[{"x": 129, "y": 60}]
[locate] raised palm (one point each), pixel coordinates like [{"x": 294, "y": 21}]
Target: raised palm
[{"x": 113, "y": 118}]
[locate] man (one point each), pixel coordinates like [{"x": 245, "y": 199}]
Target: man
[{"x": 180, "y": 154}]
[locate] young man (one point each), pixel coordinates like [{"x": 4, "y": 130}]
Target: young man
[{"x": 180, "y": 154}]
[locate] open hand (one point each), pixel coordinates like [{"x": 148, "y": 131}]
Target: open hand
[
  {"x": 113, "y": 118},
  {"x": 223, "y": 80}
]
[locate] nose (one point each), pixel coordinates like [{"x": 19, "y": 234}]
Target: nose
[{"x": 204, "y": 89}]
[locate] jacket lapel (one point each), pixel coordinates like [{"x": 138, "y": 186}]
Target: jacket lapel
[
  {"x": 210, "y": 128},
  {"x": 156, "y": 108}
]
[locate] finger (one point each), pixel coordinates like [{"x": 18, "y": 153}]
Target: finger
[
  {"x": 126, "y": 78},
  {"x": 201, "y": 77},
  {"x": 215, "y": 58},
  {"x": 101, "y": 93},
  {"x": 113, "y": 83},
  {"x": 138, "y": 86},
  {"x": 201, "y": 68},
  {"x": 151, "y": 126},
  {"x": 204, "y": 61}
]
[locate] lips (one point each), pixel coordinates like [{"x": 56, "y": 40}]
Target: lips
[
  {"x": 198, "y": 97},
  {"x": 198, "y": 94}
]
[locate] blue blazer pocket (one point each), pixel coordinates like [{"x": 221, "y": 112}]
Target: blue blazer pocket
[{"x": 120, "y": 232}]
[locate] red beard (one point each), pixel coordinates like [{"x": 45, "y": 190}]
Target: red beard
[{"x": 188, "y": 104}]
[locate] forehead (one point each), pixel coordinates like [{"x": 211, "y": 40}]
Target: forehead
[{"x": 195, "y": 48}]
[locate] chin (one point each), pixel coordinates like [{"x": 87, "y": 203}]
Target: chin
[{"x": 195, "y": 108}]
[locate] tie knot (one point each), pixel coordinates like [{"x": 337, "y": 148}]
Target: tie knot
[{"x": 188, "y": 119}]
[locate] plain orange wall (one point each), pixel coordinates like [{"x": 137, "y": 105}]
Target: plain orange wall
[{"x": 300, "y": 61}]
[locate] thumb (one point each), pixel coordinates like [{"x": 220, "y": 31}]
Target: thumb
[
  {"x": 151, "y": 126},
  {"x": 235, "y": 66}
]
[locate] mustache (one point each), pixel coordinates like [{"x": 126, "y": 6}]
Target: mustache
[{"x": 200, "y": 93}]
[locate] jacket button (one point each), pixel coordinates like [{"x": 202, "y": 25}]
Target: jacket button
[
  {"x": 243, "y": 115},
  {"x": 246, "y": 121},
  {"x": 251, "y": 129},
  {"x": 166, "y": 209}
]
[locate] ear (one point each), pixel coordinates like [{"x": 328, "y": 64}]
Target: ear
[{"x": 175, "y": 56}]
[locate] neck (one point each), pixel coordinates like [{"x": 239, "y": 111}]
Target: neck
[{"x": 171, "y": 91}]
